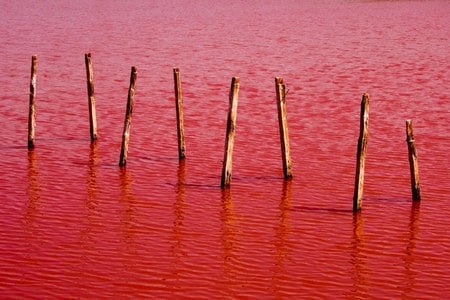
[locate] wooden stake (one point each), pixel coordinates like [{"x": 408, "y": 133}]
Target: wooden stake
[
  {"x": 231, "y": 128},
  {"x": 91, "y": 98},
  {"x": 127, "y": 122},
  {"x": 280, "y": 88},
  {"x": 361, "y": 153},
  {"x": 179, "y": 109},
  {"x": 413, "y": 161},
  {"x": 32, "y": 104}
]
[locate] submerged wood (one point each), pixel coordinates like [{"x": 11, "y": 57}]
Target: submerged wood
[
  {"x": 91, "y": 97},
  {"x": 32, "y": 105},
  {"x": 361, "y": 153},
  {"x": 230, "y": 133},
  {"x": 280, "y": 88},
  {"x": 127, "y": 122},
  {"x": 179, "y": 110},
  {"x": 413, "y": 161}
]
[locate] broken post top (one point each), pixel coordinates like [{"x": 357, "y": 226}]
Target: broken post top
[
  {"x": 133, "y": 70},
  {"x": 409, "y": 131},
  {"x": 364, "y": 117},
  {"x": 133, "y": 76},
  {"x": 279, "y": 80}
]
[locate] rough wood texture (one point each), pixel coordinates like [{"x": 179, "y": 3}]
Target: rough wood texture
[
  {"x": 280, "y": 88},
  {"x": 231, "y": 127},
  {"x": 32, "y": 104},
  {"x": 127, "y": 122},
  {"x": 361, "y": 153},
  {"x": 91, "y": 97},
  {"x": 413, "y": 161},
  {"x": 179, "y": 109}
]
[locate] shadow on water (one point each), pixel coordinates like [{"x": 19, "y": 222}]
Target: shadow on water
[{"x": 321, "y": 209}]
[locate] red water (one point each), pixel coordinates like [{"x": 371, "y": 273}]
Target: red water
[{"x": 75, "y": 225}]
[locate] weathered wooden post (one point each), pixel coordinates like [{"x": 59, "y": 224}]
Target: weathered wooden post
[
  {"x": 413, "y": 161},
  {"x": 179, "y": 109},
  {"x": 231, "y": 128},
  {"x": 32, "y": 104},
  {"x": 280, "y": 88},
  {"x": 361, "y": 153},
  {"x": 91, "y": 97},
  {"x": 127, "y": 122}
]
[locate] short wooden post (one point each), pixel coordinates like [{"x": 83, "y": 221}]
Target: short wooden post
[
  {"x": 413, "y": 161},
  {"x": 127, "y": 122},
  {"x": 231, "y": 128},
  {"x": 91, "y": 98},
  {"x": 361, "y": 153},
  {"x": 280, "y": 88},
  {"x": 179, "y": 109},
  {"x": 32, "y": 104}
]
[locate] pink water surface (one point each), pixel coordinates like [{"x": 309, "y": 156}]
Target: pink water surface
[{"x": 75, "y": 225}]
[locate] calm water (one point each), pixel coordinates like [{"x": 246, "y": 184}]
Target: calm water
[{"x": 75, "y": 225}]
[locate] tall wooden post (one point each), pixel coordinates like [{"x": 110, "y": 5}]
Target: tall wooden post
[
  {"x": 280, "y": 88},
  {"x": 361, "y": 153},
  {"x": 91, "y": 98},
  {"x": 231, "y": 128},
  {"x": 413, "y": 161},
  {"x": 179, "y": 109},
  {"x": 127, "y": 122},
  {"x": 32, "y": 104}
]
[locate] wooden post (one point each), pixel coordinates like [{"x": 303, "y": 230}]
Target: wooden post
[
  {"x": 280, "y": 88},
  {"x": 231, "y": 128},
  {"x": 179, "y": 109},
  {"x": 91, "y": 98},
  {"x": 413, "y": 161},
  {"x": 127, "y": 122},
  {"x": 32, "y": 104},
  {"x": 361, "y": 153}
]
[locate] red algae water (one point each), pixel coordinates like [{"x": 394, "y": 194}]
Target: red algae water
[{"x": 75, "y": 225}]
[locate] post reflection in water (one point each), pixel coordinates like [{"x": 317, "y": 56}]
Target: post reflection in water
[
  {"x": 410, "y": 248},
  {"x": 358, "y": 258},
  {"x": 179, "y": 212},
  {"x": 229, "y": 242},
  {"x": 282, "y": 231},
  {"x": 92, "y": 187},
  {"x": 127, "y": 200},
  {"x": 34, "y": 189}
]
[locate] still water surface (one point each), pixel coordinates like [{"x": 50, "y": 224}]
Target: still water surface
[{"x": 75, "y": 225}]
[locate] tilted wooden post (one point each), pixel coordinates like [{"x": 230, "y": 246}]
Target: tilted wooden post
[
  {"x": 280, "y": 88},
  {"x": 91, "y": 98},
  {"x": 361, "y": 153},
  {"x": 231, "y": 127},
  {"x": 179, "y": 109},
  {"x": 32, "y": 104},
  {"x": 127, "y": 122},
  {"x": 413, "y": 161}
]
